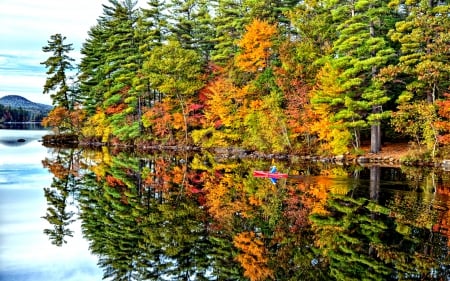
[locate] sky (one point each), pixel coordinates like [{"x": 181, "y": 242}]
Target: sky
[{"x": 26, "y": 26}]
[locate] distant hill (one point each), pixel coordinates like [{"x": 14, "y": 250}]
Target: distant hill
[
  {"x": 14, "y": 108},
  {"x": 15, "y": 101}
]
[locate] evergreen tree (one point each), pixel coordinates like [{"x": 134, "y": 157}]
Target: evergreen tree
[
  {"x": 92, "y": 68},
  {"x": 360, "y": 51},
  {"x": 59, "y": 64},
  {"x": 273, "y": 11},
  {"x": 109, "y": 67},
  {"x": 229, "y": 21},
  {"x": 424, "y": 39},
  {"x": 191, "y": 25}
]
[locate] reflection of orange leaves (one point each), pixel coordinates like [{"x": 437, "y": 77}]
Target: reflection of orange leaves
[
  {"x": 256, "y": 104},
  {"x": 298, "y": 205},
  {"x": 112, "y": 181},
  {"x": 225, "y": 199},
  {"x": 117, "y": 108},
  {"x": 148, "y": 180},
  {"x": 178, "y": 120},
  {"x": 253, "y": 200},
  {"x": 319, "y": 191},
  {"x": 178, "y": 175},
  {"x": 253, "y": 257},
  {"x": 57, "y": 169}
]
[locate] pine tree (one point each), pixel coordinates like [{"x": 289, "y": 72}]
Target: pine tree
[
  {"x": 191, "y": 25},
  {"x": 424, "y": 39},
  {"x": 229, "y": 21},
  {"x": 92, "y": 68},
  {"x": 108, "y": 69},
  {"x": 59, "y": 64},
  {"x": 360, "y": 51}
]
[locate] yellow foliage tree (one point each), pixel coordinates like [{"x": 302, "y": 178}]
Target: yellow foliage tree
[
  {"x": 96, "y": 127},
  {"x": 334, "y": 135},
  {"x": 223, "y": 114}
]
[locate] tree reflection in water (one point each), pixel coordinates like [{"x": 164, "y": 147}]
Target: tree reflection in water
[{"x": 160, "y": 217}]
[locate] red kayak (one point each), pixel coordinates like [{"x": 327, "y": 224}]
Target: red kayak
[{"x": 264, "y": 174}]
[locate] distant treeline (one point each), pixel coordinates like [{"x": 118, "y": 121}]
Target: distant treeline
[{"x": 8, "y": 114}]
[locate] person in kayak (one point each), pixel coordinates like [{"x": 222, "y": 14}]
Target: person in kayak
[{"x": 273, "y": 169}]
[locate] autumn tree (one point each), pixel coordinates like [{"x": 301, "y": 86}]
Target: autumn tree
[
  {"x": 63, "y": 121},
  {"x": 256, "y": 46},
  {"x": 443, "y": 124},
  {"x": 252, "y": 256},
  {"x": 418, "y": 121},
  {"x": 175, "y": 72},
  {"x": 223, "y": 119}
]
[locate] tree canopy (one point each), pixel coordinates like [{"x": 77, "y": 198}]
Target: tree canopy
[{"x": 277, "y": 76}]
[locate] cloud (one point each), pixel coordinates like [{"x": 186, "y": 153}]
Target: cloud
[{"x": 26, "y": 26}]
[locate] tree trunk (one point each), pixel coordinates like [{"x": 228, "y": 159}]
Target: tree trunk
[
  {"x": 375, "y": 138},
  {"x": 375, "y": 174}
]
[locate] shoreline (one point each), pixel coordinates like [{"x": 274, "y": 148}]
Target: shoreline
[{"x": 391, "y": 155}]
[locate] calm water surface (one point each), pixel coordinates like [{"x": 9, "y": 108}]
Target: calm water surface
[
  {"x": 25, "y": 251},
  {"x": 165, "y": 216}
]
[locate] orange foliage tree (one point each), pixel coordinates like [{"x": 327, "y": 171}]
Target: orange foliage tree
[
  {"x": 63, "y": 120},
  {"x": 223, "y": 118},
  {"x": 253, "y": 256},
  {"x": 443, "y": 125},
  {"x": 256, "y": 46}
]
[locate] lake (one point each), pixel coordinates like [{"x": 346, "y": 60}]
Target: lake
[
  {"x": 85, "y": 214},
  {"x": 25, "y": 251}
]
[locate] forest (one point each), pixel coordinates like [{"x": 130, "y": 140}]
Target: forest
[
  {"x": 8, "y": 114},
  {"x": 278, "y": 76}
]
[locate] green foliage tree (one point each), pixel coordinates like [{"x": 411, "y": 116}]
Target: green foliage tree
[
  {"x": 423, "y": 36},
  {"x": 360, "y": 51},
  {"x": 176, "y": 73},
  {"x": 229, "y": 22},
  {"x": 58, "y": 65}
]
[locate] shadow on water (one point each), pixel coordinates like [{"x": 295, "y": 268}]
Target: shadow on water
[
  {"x": 196, "y": 216},
  {"x": 19, "y": 134}
]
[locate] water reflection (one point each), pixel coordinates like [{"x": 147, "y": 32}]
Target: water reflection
[
  {"x": 198, "y": 217},
  {"x": 25, "y": 252}
]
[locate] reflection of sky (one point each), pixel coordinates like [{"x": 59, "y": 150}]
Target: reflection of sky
[{"x": 25, "y": 251}]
